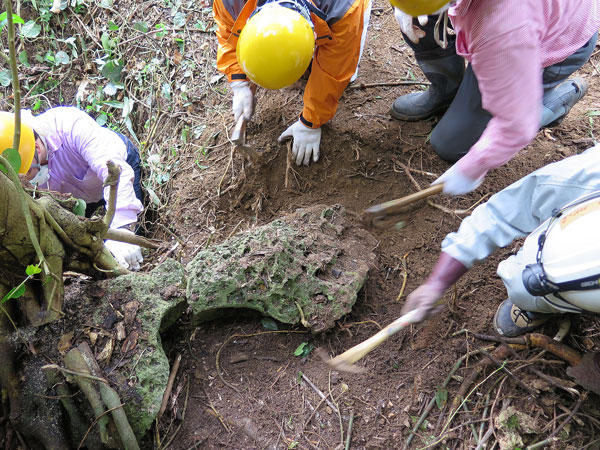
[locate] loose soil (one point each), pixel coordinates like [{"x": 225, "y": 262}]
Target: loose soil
[{"x": 240, "y": 385}]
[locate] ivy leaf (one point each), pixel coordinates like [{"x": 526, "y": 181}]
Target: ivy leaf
[
  {"x": 129, "y": 126},
  {"x": 141, "y": 26},
  {"x": 23, "y": 59},
  {"x": 112, "y": 70},
  {"x": 14, "y": 159},
  {"x": 107, "y": 43},
  {"x": 61, "y": 58},
  {"x": 102, "y": 119},
  {"x": 31, "y": 29},
  {"x": 5, "y": 78},
  {"x": 4, "y": 20},
  {"x": 300, "y": 349},
  {"x": 269, "y": 324},
  {"x": 179, "y": 20},
  {"x": 441, "y": 397},
  {"x": 32, "y": 270},
  {"x": 110, "y": 89},
  {"x": 79, "y": 208},
  {"x": 304, "y": 349},
  {"x": 153, "y": 196},
  {"x": 15, "y": 292}
]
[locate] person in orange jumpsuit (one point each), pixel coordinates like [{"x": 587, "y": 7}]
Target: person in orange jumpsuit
[{"x": 337, "y": 31}]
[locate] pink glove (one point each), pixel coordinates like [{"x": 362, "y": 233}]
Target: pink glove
[{"x": 425, "y": 298}]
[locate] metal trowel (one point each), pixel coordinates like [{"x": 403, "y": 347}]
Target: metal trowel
[{"x": 238, "y": 137}]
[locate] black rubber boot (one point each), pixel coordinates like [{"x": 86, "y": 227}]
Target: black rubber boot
[{"x": 445, "y": 74}]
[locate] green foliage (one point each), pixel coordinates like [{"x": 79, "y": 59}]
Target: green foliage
[
  {"x": 14, "y": 159},
  {"x": 4, "y": 20},
  {"x": 513, "y": 422},
  {"x": 141, "y": 27},
  {"x": 32, "y": 270},
  {"x": 441, "y": 397},
  {"x": 19, "y": 290},
  {"x": 79, "y": 209},
  {"x": 304, "y": 350},
  {"x": 269, "y": 324},
  {"x": 31, "y": 29}
]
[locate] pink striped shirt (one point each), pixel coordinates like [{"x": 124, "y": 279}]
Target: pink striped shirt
[{"x": 508, "y": 43}]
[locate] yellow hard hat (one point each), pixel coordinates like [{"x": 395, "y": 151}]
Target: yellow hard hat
[
  {"x": 417, "y": 8},
  {"x": 276, "y": 46},
  {"x": 26, "y": 144}
]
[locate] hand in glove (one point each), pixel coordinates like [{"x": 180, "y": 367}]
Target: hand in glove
[
  {"x": 128, "y": 255},
  {"x": 405, "y": 21},
  {"x": 456, "y": 182},
  {"x": 306, "y": 142},
  {"x": 243, "y": 100},
  {"x": 426, "y": 297}
]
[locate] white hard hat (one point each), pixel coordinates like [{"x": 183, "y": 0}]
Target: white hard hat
[{"x": 567, "y": 268}]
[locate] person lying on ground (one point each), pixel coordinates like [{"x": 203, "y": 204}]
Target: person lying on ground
[
  {"x": 520, "y": 56},
  {"x": 557, "y": 270},
  {"x": 71, "y": 151},
  {"x": 273, "y": 43}
]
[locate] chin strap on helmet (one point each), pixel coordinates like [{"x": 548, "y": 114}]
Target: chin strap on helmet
[{"x": 534, "y": 276}]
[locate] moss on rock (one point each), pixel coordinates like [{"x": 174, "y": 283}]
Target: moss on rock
[{"x": 311, "y": 263}]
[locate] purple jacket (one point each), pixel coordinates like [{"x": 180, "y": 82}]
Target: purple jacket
[{"x": 78, "y": 149}]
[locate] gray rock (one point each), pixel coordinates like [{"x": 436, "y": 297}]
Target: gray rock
[{"x": 311, "y": 263}]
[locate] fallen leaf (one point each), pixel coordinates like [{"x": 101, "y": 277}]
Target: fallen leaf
[
  {"x": 64, "y": 343},
  {"x": 129, "y": 311},
  {"x": 130, "y": 343},
  {"x": 93, "y": 337},
  {"x": 121, "y": 334},
  {"x": 106, "y": 353}
]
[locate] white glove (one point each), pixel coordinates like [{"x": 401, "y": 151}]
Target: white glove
[
  {"x": 425, "y": 298},
  {"x": 243, "y": 100},
  {"x": 128, "y": 255},
  {"x": 456, "y": 182},
  {"x": 306, "y": 142},
  {"x": 406, "y": 25}
]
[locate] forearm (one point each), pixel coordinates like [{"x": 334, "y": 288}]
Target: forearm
[
  {"x": 521, "y": 207},
  {"x": 333, "y": 65},
  {"x": 508, "y": 75}
]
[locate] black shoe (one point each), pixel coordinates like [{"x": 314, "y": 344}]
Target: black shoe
[
  {"x": 564, "y": 97},
  {"x": 445, "y": 74},
  {"x": 420, "y": 105},
  {"x": 512, "y": 321}
]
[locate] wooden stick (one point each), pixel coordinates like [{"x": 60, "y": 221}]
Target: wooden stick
[
  {"x": 318, "y": 391},
  {"x": 169, "y": 387},
  {"x": 345, "y": 361},
  {"x": 393, "y": 206}
]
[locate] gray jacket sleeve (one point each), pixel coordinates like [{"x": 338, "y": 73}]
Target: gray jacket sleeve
[{"x": 521, "y": 207}]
